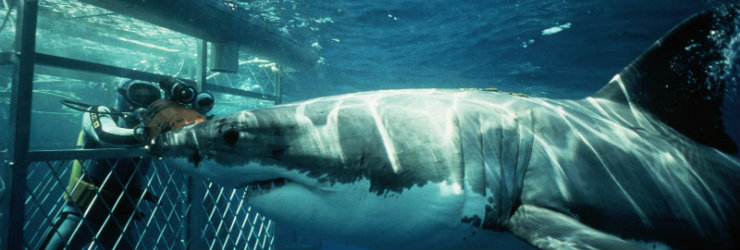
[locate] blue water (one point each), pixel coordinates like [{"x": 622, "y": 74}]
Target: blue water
[{"x": 371, "y": 45}]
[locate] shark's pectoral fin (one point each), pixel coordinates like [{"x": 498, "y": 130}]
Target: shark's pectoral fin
[{"x": 548, "y": 229}]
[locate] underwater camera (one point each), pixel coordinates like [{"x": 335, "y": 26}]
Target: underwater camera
[
  {"x": 177, "y": 90},
  {"x": 180, "y": 92}
]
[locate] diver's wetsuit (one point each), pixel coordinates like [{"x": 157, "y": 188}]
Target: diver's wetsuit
[{"x": 121, "y": 182}]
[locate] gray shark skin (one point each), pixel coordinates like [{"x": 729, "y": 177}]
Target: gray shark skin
[{"x": 467, "y": 169}]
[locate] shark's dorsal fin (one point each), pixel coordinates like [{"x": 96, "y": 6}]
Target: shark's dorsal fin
[{"x": 681, "y": 77}]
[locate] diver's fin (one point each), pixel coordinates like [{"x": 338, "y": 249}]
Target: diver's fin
[
  {"x": 547, "y": 229},
  {"x": 681, "y": 78}
]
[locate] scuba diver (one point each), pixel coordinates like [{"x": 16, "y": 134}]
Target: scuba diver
[{"x": 102, "y": 198}]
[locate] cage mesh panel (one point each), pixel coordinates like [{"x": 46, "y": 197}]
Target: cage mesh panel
[
  {"x": 226, "y": 213},
  {"x": 230, "y": 225},
  {"x": 172, "y": 206}
]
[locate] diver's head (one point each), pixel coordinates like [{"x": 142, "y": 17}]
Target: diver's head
[
  {"x": 134, "y": 95},
  {"x": 179, "y": 91}
]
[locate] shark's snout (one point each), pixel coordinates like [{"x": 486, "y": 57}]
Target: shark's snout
[
  {"x": 163, "y": 145},
  {"x": 156, "y": 146},
  {"x": 228, "y": 141},
  {"x": 177, "y": 144}
]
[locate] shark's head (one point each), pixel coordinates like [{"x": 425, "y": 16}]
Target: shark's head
[{"x": 335, "y": 172}]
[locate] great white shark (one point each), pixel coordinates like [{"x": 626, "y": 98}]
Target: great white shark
[{"x": 645, "y": 162}]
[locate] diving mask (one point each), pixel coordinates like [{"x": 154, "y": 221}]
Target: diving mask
[{"x": 141, "y": 94}]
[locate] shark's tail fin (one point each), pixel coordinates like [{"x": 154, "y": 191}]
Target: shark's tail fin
[{"x": 683, "y": 77}]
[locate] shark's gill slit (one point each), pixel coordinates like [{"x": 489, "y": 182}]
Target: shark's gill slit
[{"x": 195, "y": 158}]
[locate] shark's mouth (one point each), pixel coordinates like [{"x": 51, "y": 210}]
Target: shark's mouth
[{"x": 264, "y": 186}]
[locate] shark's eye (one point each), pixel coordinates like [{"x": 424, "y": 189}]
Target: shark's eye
[{"x": 231, "y": 136}]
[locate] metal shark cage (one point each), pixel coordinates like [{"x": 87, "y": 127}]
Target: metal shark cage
[{"x": 59, "y": 49}]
